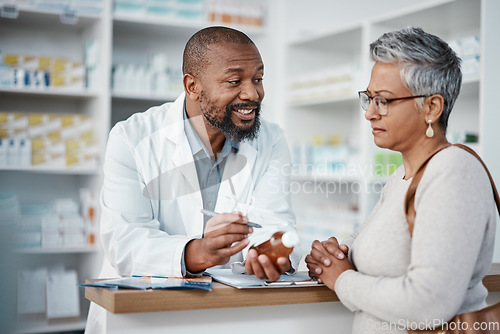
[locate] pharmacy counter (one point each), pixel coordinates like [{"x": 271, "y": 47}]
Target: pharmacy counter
[{"x": 229, "y": 310}]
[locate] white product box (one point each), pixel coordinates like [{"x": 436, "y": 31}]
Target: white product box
[
  {"x": 62, "y": 294},
  {"x": 73, "y": 224},
  {"x": 31, "y": 291},
  {"x": 471, "y": 46},
  {"x": 51, "y": 224},
  {"x": 52, "y": 240},
  {"x": 74, "y": 240}
]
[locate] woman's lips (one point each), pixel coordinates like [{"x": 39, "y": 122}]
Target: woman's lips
[{"x": 377, "y": 130}]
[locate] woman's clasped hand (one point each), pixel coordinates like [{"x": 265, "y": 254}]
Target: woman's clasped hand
[{"x": 327, "y": 261}]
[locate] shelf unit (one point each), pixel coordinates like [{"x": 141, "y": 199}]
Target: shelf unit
[
  {"x": 41, "y": 32},
  {"x": 349, "y": 45}
]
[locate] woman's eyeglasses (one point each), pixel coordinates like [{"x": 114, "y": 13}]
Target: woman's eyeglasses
[{"x": 381, "y": 103}]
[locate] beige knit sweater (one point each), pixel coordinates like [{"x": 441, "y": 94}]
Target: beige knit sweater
[{"x": 405, "y": 282}]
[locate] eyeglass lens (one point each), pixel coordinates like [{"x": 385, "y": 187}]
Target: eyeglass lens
[{"x": 380, "y": 103}]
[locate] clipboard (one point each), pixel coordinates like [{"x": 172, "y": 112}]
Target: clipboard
[
  {"x": 244, "y": 281},
  {"x": 153, "y": 282}
]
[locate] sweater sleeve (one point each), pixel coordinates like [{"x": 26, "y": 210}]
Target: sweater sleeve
[{"x": 453, "y": 204}]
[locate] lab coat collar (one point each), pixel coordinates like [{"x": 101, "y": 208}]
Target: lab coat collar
[
  {"x": 182, "y": 157},
  {"x": 174, "y": 131}
]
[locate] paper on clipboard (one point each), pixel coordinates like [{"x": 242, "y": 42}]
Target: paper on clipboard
[
  {"x": 243, "y": 281},
  {"x": 153, "y": 282}
]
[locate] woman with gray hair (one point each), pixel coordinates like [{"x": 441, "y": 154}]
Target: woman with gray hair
[{"x": 394, "y": 280}]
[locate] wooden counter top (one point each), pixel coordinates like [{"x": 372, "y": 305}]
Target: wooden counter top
[{"x": 223, "y": 296}]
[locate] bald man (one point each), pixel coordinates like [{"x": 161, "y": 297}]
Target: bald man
[{"x": 206, "y": 151}]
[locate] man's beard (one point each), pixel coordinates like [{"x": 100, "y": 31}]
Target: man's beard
[{"x": 227, "y": 126}]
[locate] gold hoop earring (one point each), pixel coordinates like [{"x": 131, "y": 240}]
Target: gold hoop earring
[{"x": 430, "y": 131}]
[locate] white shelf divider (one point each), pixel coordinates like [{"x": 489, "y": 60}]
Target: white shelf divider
[
  {"x": 146, "y": 97},
  {"x": 54, "y": 170},
  {"x": 49, "y": 92},
  {"x": 61, "y": 250},
  {"x": 332, "y": 100},
  {"x": 175, "y": 23},
  {"x": 41, "y": 325}
]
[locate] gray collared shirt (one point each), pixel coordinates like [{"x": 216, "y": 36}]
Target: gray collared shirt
[{"x": 209, "y": 172}]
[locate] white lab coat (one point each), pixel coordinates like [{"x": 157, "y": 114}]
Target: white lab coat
[{"x": 151, "y": 201}]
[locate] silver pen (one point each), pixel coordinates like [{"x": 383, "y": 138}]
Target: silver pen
[{"x": 212, "y": 213}]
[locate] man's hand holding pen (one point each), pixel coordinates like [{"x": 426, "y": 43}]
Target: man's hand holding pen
[
  {"x": 225, "y": 235},
  {"x": 213, "y": 214}
]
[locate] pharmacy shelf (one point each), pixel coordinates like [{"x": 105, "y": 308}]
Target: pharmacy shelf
[
  {"x": 470, "y": 84},
  {"x": 82, "y": 94},
  {"x": 174, "y": 23},
  {"x": 42, "y": 326},
  {"x": 54, "y": 170},
  {"x": 318, "y": 102},
  {"x": 470, "y": 87},
  {"x": 145, "y": 97},
  {"x": 327, "y": 40},
  {"x": 471, "y": 81},
  {"x": 252, "y": 30},
  {"x": 151, "y": 25},
  {"x": 454, "y": 16},
  {"x": 31, "y": 16},
  {"x": 329, "y": 177},
  {"x": 62, "y": 250},
  {"x": 322, "y": 178},
  {"x": 127, "y": 23},
  {"x": 27, "y": 9},
  {"x": 377, "y": 179}
]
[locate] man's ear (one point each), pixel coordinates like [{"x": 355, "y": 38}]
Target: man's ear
[
  {"x": 191, "y": 87},
  {"x": 434, "y": 107}
]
